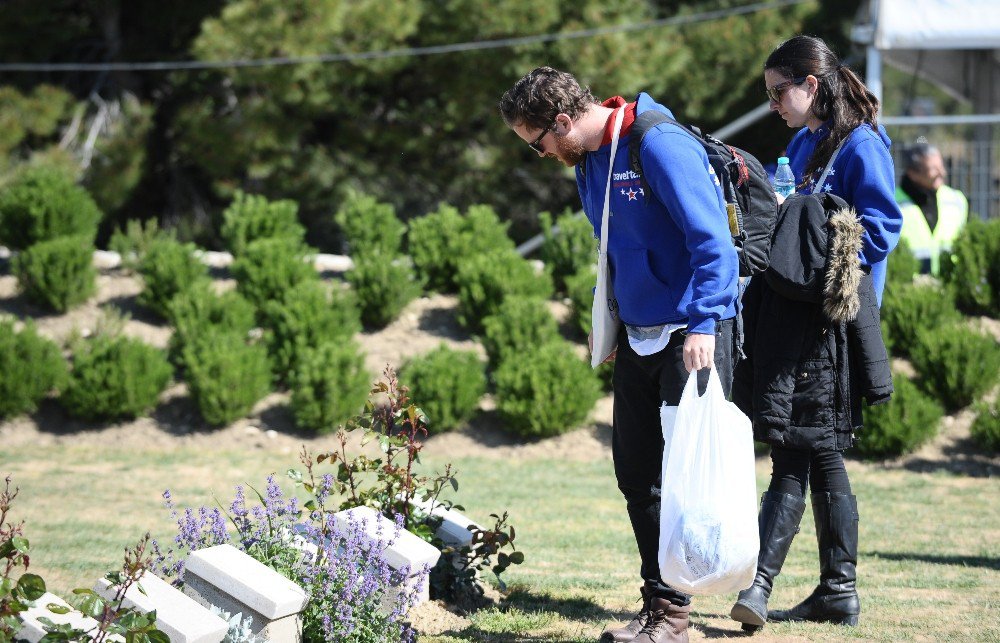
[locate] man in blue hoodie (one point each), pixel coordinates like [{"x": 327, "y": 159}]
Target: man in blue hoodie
[{"x": 675, "y": 274}]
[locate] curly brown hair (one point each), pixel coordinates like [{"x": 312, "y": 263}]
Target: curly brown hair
[{"x": 541, "y": 95}]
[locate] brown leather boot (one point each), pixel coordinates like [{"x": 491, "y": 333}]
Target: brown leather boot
[
  {"x": 627, "y": 633},
  {"x": 667, "y": 623}
]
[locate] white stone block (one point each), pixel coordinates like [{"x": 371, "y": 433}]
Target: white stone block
[
  {"x": 177, "y": 615},
  {"x": 32, "y": 629},
  {"x": 454, "y": 529},
  {"x": 106, "y": 259},
  {"x": 405, "y": 549},
  {"x": 237, "y": 583},
  {"x": 332, "y": 263}
]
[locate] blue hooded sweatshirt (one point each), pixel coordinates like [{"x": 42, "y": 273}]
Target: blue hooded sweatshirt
[
  {"x": 672, "y": 258},
  {"x": 862, "y": 175}
]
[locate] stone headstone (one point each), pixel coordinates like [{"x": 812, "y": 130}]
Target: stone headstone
[
  {"x": 455, "y": 527},
  {"x": 235, "y": 582},
  {"x": 32, "y": 630},
  {"x": 177, "y": 615}
]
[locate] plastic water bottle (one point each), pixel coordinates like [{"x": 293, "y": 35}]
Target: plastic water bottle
[{"x": 784, "y": 180}]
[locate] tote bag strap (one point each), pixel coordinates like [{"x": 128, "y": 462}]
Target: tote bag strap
[
  {"x": 619, "y": 116},
  {"x": 829, "y": 165}
]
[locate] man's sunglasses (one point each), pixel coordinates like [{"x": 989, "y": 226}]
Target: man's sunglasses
[
  {"x": 537, "y": 143},
  {"x": 774, "y": 93}
]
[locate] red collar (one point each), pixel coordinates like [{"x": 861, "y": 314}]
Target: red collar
[{"x": 615, "y": 102}]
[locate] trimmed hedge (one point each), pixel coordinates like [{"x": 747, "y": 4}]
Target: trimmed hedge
[
  {"x": 114, "y": 377},
  {"x": 168, "y": 267},
  {"x": 570, "y": 251},
  {"x": 446, "y": 384},
  {"x": 901, "y": 425},
  {"x": 580, "y": 290},
  {"x": 441, "y": 242},
  {"x": 271, "y": 267},
  {"x": 547, "y": 392},
  {"x": 902, "y": 265},
  {"x": 252, "y": 216},
  {"x": 330, "y": 385},
  {"x": 226, "y": 373},
  {"x": 58, "y": 273},
  {"x": 986, "y": 427},
  {"x": 520, "y": 325},
  {"x": 43, "y": 203},
  {"x": 972, "y": 269},
  {"x": 956, "y": 363},
  {"x": 383, "y": 286},
  {"x": 486, "y": 280},
  {"x": 307, "y": 316},
  {"x": 369, "y": 227},
  {"x": 906, "y": 308},
  {"x": 33, "y": 366},
  {"x": 198, "y": 308}
]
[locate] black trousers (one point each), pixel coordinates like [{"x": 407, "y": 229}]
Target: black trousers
[{"x": 641, "y": 384}]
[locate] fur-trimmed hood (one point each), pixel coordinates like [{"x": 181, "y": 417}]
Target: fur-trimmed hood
[
  {"x": 841, "y": 301},
  {"x": 815, "y": 254}
]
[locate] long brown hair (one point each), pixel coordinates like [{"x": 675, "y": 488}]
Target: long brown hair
[{"x": 841, "y": 97}]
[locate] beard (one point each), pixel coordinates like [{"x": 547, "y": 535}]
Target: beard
[{"x": 569, "y": 151}]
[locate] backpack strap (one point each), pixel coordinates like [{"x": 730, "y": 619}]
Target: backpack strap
[{"x": 642, "y": 124}]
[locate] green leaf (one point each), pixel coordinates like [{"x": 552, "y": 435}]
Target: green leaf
[
  {"x": 310, "y": 504},
  {"x": 156, "y": 636},
  {"x": 454, "y": 483},
  {"x": 31, "y": 586},
  {"x": 20, "y": 544},
  {"x": 517, "y": 557},
  {"x": 6, "y": 548},
  {"x": 90, "y": 604},
  {"x": 56, "y": 608},
  {"x": 383, "y": 443},
  {"x": 295, "y": 475}
]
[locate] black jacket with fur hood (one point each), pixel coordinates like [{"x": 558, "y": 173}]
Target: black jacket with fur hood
[{"x": 813, "y": 342}]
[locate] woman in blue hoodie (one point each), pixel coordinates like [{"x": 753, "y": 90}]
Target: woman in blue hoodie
[{"x": 840, "y": 148}]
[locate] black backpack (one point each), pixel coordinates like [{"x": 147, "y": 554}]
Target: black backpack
[{"x": 750, "y": 201}]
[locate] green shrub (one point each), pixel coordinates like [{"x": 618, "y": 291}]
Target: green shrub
[
  {"x": 271, "y": 267},
  {"x": 383, "y": 287},
  {"x": 308, "y": 315},
  {"x": 486, "y": 280},
  {"x": 972, "y": 268},
  {"x": 546, "y": 392},
  {"x": 569, "y": 251},
  {"x": 114, "y": 376},
  {"x": 446, "y": 384},
  {"x": 32, "y": 367},
  {"x": 330, "y": 385},
  {"x": 907, "y": 308},
  {"x": 251, "y": 216},
  {"x": 132, "y": 242},
  {"x": 580, "y": 290},
  {"x": 370, "y": 227},
  {"x": 43, "y": 203},
  {"x": 519, "y": 326},
  {"x": 168, "y": 267},
  {"x": 956, "y": 363},
  {"x": 986, "y": 427},
  {"x": 901, "y": 425},
  {"x": 198, "y": 308},
  {"x": 58, "y": 274},
  {"x": 442, "y": 241},
  {"x": 226, "y": 373},
  {"x": 901, "y": 266}
]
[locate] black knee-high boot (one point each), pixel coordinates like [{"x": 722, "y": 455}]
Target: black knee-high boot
[
  {"x": 780, "y": 514},
  {"x": 835, "y": 599}
]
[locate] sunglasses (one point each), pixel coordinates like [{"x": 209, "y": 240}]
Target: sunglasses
[
  {"x": 537, "y": 143},
  {"x": 774, "y": 93}
]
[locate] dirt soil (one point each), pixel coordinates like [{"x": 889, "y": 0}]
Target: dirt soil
[{"x": 423, "y": 325}]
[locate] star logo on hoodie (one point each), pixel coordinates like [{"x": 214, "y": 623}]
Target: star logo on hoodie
[
  {"x": 827, "y": 187},
  {"x": 631, "y": 194}
]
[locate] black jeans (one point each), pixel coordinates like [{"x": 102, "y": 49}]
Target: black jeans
[
  {"x": 641, "y": 385},
  {"x": 793, "y": 471}
]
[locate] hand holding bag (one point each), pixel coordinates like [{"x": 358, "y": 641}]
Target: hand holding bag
[
  {"x": 708, "y": 506},
  {"x": 604, "y": 315}
]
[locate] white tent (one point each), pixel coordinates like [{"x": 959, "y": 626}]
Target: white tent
[{"x": 956, "y": 45}]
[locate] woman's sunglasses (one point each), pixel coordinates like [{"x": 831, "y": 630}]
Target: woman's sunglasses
[{"x": 774, "y": 93}]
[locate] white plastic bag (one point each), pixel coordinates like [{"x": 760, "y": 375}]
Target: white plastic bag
[{"x": 708, "y": 504}]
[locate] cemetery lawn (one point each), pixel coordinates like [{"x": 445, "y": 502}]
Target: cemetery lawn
[{"x": 929, "y": 565}]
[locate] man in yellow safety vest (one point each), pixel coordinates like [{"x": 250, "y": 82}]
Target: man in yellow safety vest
[{"x": 933, "y": 213}]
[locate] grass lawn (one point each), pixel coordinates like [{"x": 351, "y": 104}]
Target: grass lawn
[{"x": 929, "y": 557}]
